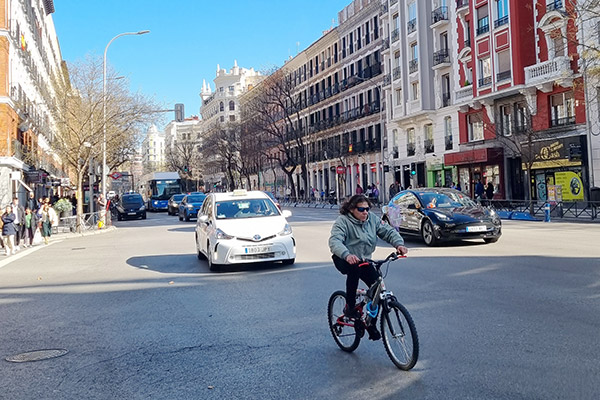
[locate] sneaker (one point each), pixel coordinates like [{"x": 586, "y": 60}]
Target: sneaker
[
  {"x": 373, "y": 333},
  {"x": 352, "y": 313},
  {"x": 17, "y": 248}
]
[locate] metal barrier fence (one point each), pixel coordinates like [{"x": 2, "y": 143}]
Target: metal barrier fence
[
  {"x": 561, "y": 209},
  {"x": 89, "y": 222}
]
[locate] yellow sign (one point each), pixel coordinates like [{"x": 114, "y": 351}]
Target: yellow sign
[{"x": 571, "y": 185}]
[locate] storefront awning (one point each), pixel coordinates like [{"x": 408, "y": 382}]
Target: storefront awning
[{"x": 474, "y": 156}]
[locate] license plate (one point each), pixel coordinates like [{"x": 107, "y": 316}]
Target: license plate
[
  {"x": 480, "y": 228},
  {"x": 258, "y": 249},
  {"x": 131, "y": 213}
]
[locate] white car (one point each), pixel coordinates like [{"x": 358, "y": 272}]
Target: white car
[{"x": 243, "y": 227}]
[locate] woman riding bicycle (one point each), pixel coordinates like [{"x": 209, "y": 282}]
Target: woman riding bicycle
[{"x": 354, "y": 238}]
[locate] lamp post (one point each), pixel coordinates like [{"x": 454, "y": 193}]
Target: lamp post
[{"x": 104, "y": 106}]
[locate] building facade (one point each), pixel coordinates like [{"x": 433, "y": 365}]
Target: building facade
[{"x": 153, "y": 150}]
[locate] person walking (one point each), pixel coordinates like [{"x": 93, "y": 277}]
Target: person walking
[
  {"x": 9, "y": 230},
  {"x": 48, "y": 219},
  {"x": 353, "y": 238},
  {"x": 359, "y": 189},
  {"x": 31, "y": 202},
  {"x": 479, "y": 189},
  {"x": 489, "y": 191},
  {"x": 101, "y": 204},
  {"x": 31, "y": 225}
]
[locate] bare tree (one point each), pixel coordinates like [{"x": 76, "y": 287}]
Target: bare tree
[
  {"x": 78, "y": 106},
  {"x": 223, "y": 141},
  {"x": 182, "y": 156}
]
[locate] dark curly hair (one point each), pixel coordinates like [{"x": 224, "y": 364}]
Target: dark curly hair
[{"x": 351, "y": 203}]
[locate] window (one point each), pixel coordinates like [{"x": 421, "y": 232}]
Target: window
[
  {"x": 398, "y": 97},
  {"x": 410, "y": 142},
  {"x": 428, "y": 135},
  {"x": 504, "y": 68},
  {"x": 448, "y": 133},
  {"x": 502, "y": 8},
  {"x": 414, "y": 51},
  {"x": 415, "y": 90},
  {"x": 231, "y": 88},
  {"x": 520, "y": 117},
  {"x": 221, "y": 106},
  {"x": 475, "y": 127},
  {"x": 222, "y": 119},
  {"x": 375, "y": 28},
  {"x": 231, "y": 105},
  {"x": 562, "y": 109},
  {"x": 506, "y": 120},
  {"x": 558, "y": 44},
  {"x": 412, "y": 11},
  {"x": 485, "y": 71},
  {"x": 483, "y": 20},
  {"x": 232, "y": 118}
]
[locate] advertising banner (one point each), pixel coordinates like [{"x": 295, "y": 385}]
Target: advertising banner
[{"x": 571, "y": 184}]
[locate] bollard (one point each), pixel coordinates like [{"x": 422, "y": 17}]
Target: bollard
[{"x": 547, "y": 212}]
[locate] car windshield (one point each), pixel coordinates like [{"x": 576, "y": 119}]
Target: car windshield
[
  {"x": 178, "y": 197},
  {"x": 246, "y": 208},
  {"x": 439, "y": 200},
  {"x": 131, "y": 200},
  {"x": 195, "y": 199}
]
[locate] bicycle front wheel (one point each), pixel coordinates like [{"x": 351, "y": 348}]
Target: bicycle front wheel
[
  {"x": 342, "y": 329},
  {"x": 400, "y": 336}
]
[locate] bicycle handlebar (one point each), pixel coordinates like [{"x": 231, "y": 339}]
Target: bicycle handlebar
[{"x": 392, "y": 257}]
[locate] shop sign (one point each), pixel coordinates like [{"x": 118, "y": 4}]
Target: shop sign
[
  {"x": 571, "y": 185},
  {"x": 373, "y": 167},
  {"x": 555, "y": 154}
]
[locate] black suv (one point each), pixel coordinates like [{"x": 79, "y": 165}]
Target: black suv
[{"x": 131, "y": 205}]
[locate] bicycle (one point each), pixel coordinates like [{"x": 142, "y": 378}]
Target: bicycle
[{"x": 397, "y": 327}]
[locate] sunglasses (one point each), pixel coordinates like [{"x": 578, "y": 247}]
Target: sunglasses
[{"x": 363, "y": 209}]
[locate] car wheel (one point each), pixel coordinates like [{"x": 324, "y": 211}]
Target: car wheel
[
  {"x": 289, "y": 261},
  {"x": 490, "y": 240},
  {"x": 427, "y": 233},
  {"x": 144, "y": 216},
  {"x": 199, "y": 254},
  {"x": 209, "y": 257}
]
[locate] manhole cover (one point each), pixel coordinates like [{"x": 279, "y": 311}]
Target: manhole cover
[{"x": 37, "y": 355}]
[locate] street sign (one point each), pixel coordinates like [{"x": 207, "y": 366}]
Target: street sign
[
  {"x": 116, "y": 175},
  {"x": 340, "y": 170}
]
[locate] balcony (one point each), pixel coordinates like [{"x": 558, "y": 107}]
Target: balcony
[
  {"x": 385, "y": 44},
  {"x": 395, "y": 35},
  {"x": 548, "y": 71},
  {"x": 392, "y": 2},
  {"x": 554, "y": 5},
  {"x": 468, "y": 43},
  {"x": 387, "y": 79},
  {"x": 503, "y": 76},
  {"x": 413, "y": 65},
  {"x": 562, "y": 121},
  {"x": 483, "y": 26},
  {"x": 462, "y": 5},
  {"x": 428, "y": 144},
  {"x": 501, "y": 21},
  {"x": 412, "y": 26},
  {"x": 485, "y": 81},
  {"x": 396, "y": 73},
  {"x": 441, "y": 57},
  {"x": 410, "y": 149},
  {"x": 440, "y": 14},
  {"x": 464, "y": 94},
  {"x": 449, "y": 143}
]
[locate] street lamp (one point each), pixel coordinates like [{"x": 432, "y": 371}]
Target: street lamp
[{"x": 104, "y": 106}]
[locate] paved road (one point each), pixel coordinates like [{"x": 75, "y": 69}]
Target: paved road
[{"x": 143, "y": 318}]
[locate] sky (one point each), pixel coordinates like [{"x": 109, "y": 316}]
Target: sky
[{"x": 188, "y": 38}]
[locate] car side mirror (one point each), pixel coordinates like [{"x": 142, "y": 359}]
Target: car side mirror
[
  {"x": 203, "y": 219},
  {"x": 286, "y": 213}
]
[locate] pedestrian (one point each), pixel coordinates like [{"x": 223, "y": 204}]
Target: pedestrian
[
  {"x": 31, "y": 225},
  {"x": 375, "y": 194},
  {"x": 353, "y": 238},
  {"x": 9, "y": 230},
  {"x": 102, "y": 209},
  {"x": 479, "y": 191},
  {"x": 359, "y": 189},
  {"x": 489, "y": 191},
  {"x": 48, "y": 219},
  {"x": 458, "y": 187},
  {"x": 31, "y": 203},
  {"x": 19, "y": 226}
]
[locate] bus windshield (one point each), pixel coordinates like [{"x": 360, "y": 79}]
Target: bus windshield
[{"x": 164, "y": 189}]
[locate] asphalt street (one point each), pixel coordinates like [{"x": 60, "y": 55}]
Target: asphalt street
[{"x": 142, "y": 317}]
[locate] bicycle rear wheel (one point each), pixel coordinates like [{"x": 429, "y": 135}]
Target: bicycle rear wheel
[
  {"x": 344, "y": 335},
  {"x": 400, "y": 336}
]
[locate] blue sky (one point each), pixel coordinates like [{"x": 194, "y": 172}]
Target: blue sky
[{"x": 189, "y": 38}]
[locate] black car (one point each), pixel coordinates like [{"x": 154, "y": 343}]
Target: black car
[
  {"x": 131, "y": 205},
  {"x": 174, "y": 204},
  {"x": 438, "y": 214}
]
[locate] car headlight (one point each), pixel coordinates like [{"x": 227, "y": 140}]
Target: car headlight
[
  {"x": 441, "y": 216},
  {"x": 142, "y": 208},
  {"x": 190, "y": 206},
  {"x": 175, "y": 204},
  {"x": 222, "y": 235},
  {"x": 287, "y": 230}
]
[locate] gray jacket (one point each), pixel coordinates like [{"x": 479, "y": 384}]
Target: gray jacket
[{"x": 351, "y": 236}]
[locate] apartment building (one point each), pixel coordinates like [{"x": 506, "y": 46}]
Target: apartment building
[
  {"x": 183, "y": 143},
  {"x": 221, "y": 107},
  {"x": 153, "y": 150},
  {"x": 30, "y": 59}
]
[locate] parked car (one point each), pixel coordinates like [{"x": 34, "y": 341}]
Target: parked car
[
  {"x": 189, "y": 206},
  {"x": 131, "y": 205},
  {"x": 438, "y": 214},
  {"x": 243, "y": 227},
  {"x": 173, "y": 207}
]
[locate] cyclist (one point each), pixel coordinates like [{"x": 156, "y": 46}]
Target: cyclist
[{"x": 354, "y": 238}]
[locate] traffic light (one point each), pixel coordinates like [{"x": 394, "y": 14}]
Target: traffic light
[
  {"x": 185, "y": 168},
  {"x": 413, "y": 168},
  {"x": 179, "y": 113}
]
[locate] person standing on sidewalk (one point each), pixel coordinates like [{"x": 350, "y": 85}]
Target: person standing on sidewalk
[
  {"x": 31, "y": 225},
  {"x": 32, "y": 202},
  {"x": 9, "y": 230},
  {"x": 19, "y": 226},
  {"x": 102, "y": 208},
  {"x": 49, "y": 218}
]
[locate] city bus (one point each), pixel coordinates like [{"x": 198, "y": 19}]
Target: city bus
[{"x": 160, "y": 186}]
